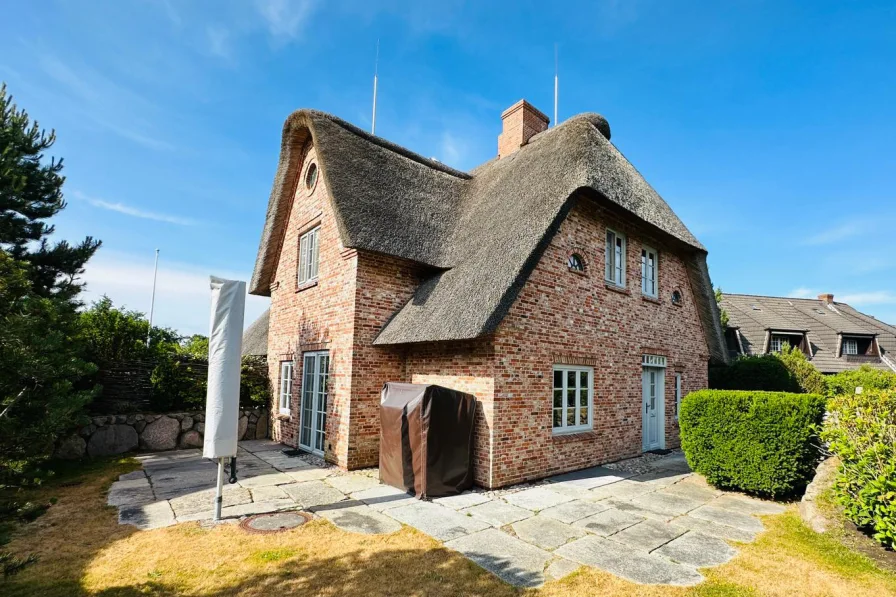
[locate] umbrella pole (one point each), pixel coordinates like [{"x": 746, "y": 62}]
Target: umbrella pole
[{"x": 219, "y": 494}]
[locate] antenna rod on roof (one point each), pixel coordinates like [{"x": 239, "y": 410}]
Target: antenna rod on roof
[
  {"x": 556, "y": 82},
  {"x": 376, "y": 65}
]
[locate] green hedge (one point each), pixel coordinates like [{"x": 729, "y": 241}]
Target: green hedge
[
  {"x": 765, "y": 373},
  {"x": 861, "y": 430},
  {"x": 759, "y": 442},
  {"x": 864, "y": 377}
]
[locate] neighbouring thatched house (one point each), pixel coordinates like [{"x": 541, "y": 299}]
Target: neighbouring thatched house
[
  {"x": 255, "y": 338},
  {"x": 834, "y": 336},
  {"x": 551, "y": 282}
]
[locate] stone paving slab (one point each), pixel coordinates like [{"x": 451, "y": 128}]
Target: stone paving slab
[
  {"x": 561, "y": 568},
  {"x": 261, "y": 445},
  {"x": 464, "y": 500},
  {"x": 690, "y": 491},
  {"x": 608, "y": 522},
  {"x": 713, "y": 529},
  {"x": 268, "y": 492},
  {"x": 309, "y": 474},
  {"x": 130, "y": 492},
  {"x": 590, "y": 478},
  {"x": 383, "y": 497},
  {"x": 504, "y": 556},
  {"x": 357, "y": 517},
  {"x": 545, "y": 532},
  {"x": 203, "y": 501},
  {"x": 573, "y": 511},
  {"x": 649, "y": 534},
  {"x": 537, "y": 498},
  {"x": 351, "y": 483},
  {"x": 313, "y": 493},
  {"x": 132, "y": 475},
  {"x": 437, "y": 521},
  {"x": 631, "y": 508},
  {"x": 148, "y": 516},
  {"x": 666, "y": 504},
  {"x": 626, "y": 562},
  {"x": 623, "y": 490},
  {"x": 729, "y": 518},
  {"x": 697, "y": 550},
  {"x": 274, "y": 477},
  {"x": 254, "y": 508},
  {"x": 747, "y": 505},
  {"x": 498, "y": 513}
]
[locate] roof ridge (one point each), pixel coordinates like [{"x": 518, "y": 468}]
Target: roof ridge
[{"x": 384, "y": 143}]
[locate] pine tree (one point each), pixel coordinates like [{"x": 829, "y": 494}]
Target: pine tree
[{"x": 42, "y": 373}]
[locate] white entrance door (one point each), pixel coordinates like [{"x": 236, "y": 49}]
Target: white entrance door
[
  {"x": 653, "y": 408},
  {"x": 315, "y": 379}
]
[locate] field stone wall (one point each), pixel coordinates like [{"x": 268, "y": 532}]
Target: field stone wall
[{"x": 107, "y": 435}]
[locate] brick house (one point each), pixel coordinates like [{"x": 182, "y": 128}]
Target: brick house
[{"x": 552, "y": 282}]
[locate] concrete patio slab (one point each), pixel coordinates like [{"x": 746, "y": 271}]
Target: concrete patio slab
[
  {"x": 573, "y": 511},
  {"x": 437, "y": 521},
  {"x": 508, "y": 558},
  {"x": 358, "y": 518},
  {"x": 498, "y": 513},
  {"x": 537, "y": 498},
  {"x": 697, "y": 550},
  {"x": 313, "y": 493},
  {"x": 608, "y": 522},
  {"x": 628, "y": 563},
  {"x": 383, "y": 497},
  {"x": 468, "y": 499},
  {"x": 729, "y": 518},
  {"x": 649, "y": 534},
  {"x": 351, "y": 483},
  {"x": 546, "y": 533}
]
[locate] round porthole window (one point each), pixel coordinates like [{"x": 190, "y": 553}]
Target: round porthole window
[
  {"x": 676, "y": 297},
  {"x": 575, "y": 263},
  {"x": 311, "y": 177}
]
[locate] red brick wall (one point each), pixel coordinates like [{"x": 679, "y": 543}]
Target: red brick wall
[{"x": 561, "y": 316}]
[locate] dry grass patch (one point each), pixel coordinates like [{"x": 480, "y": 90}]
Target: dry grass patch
[{"x": 84, "y": 551}]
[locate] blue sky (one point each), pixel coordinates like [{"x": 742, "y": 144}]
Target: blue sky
[{"x": 768, "y": 126}]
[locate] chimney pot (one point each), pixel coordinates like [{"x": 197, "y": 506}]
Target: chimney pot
[
  {"x": 827, "y": 299},
  {"x": 521, "y": 122}
]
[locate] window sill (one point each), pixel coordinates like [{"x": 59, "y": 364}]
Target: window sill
[
  {"x": 306, "y": 285},
  {"x": 617, "y": 288},
  {"x": 574, "y": 436},
  {"x": 283, "y": 417},
  {"x": 651, "y": 299}
]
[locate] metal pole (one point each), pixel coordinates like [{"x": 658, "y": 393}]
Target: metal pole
[
  {"x": 152, "y": 302},
  {"x": 219, "y": 494}
]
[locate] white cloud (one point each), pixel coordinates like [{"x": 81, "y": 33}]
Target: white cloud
[
  {"x": 452, "y": 149},
  {"x": 134, "y": 211},
  {"x": 183, "y": 297},
  {"x": 833, "y": 235},
  {"x": 802, "y": 293},
  {"x": 875, "y": 297},
  {"x": 285, "y": 19}
]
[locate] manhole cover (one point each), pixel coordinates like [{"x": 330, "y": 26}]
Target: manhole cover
[{"x": 274, "y": 523}]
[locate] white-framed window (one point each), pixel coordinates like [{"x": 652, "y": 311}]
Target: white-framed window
[
  {"x": 776, "y": 344},
  {"x": 649, "y": 266},
  {"x": 615, "y": 258},
  {"x": 285, "y": 401},
  {"x": 308, "y": 256},
  {"x": 677, "y": 394},
  {"x": 573, "y": 398},
  {"x": 850, "y": 346}
]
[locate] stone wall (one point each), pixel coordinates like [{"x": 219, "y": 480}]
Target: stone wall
[{"x": 116, "y": 434}]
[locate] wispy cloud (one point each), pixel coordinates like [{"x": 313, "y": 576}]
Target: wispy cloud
[
  {"x": 802, "y": 293},
  {"x": 218, "y": 38},
  {"x": 285, "y": 19},
  {"x": 837, "y": 234},
  {"x": 875, "y": 297},
  {"x": 134, "y": 211}
]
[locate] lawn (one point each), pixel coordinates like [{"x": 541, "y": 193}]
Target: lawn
[{"x": 83, "y": 551}]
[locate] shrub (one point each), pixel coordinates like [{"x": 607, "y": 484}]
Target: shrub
[
  {"x": 758, "y": 442},
  {"x": 864, "y": 377},
  {"x": 179, "y": 382},
  {"x": 765, "y": 373},
  {"x": 255, "y": 387},
  {"x": 861, "y": 430},
  {"x": 806, "y": 375}
]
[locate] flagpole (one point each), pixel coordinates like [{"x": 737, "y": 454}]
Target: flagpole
[{"x": 152, "y": 302}]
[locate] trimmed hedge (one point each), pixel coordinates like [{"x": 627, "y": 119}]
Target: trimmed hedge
[
  {"x": 764, "y": 372},
  {"x": 763, "y": 443},
  {"x": 864, "y": 377},
  {"x": 861, "y": 430}
]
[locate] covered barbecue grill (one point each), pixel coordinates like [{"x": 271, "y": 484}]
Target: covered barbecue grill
[{"x": 426, "y": 439}]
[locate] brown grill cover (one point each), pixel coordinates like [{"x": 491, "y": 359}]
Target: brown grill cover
[{"x": 426, "y": 439}]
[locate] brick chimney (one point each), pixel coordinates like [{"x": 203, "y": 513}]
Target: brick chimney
[
  {"x": 827, "y": 299},
  {"x": 521, "y": 121}
]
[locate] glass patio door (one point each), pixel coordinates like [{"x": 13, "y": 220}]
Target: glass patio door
[{"x": 315, "y": 381}]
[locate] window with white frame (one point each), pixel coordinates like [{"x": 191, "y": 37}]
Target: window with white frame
[
  {"x": 776, "y": 344},
  {"x": 615, "y": 258},
  {"x": 677, "y": 394},
  {"x": 308, "y": 256},
  {"x": 286, "y": 370},
  {"x": 850, "y": 346},
  {"x": 573, "y": 397},
  {"x": 648, "y": 271}
]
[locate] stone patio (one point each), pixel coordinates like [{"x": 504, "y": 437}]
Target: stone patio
[{"x": 650, "y": 521}]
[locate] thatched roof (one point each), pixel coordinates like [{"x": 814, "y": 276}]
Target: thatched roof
[
  {"x": 255, "y": 338},
  {"x": 756, "y": 316},
  {"x": 484, "y": 230}
]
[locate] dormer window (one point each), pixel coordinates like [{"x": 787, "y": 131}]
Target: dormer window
[
  {"x": 858, "y": 346},
  {"x": 308, "y": 257},
  {"x": 850, "y": 346},
  {"x": 779, "y": 340}
]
